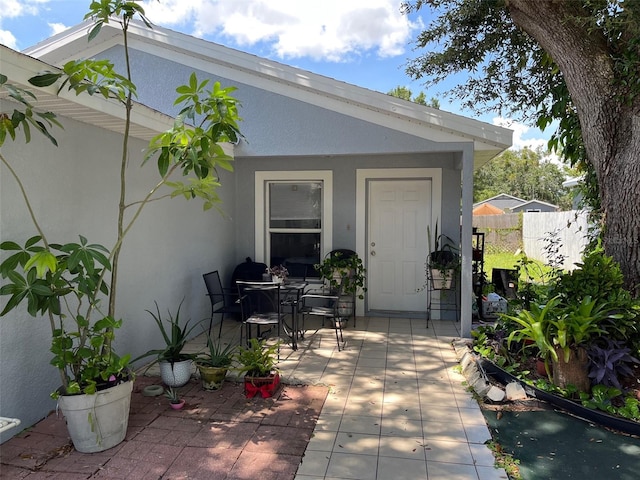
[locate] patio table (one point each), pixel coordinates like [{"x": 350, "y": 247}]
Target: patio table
[{"x": 290, "y": 297}]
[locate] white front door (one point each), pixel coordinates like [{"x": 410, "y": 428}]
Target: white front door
[{"x": 399, "y": 212}]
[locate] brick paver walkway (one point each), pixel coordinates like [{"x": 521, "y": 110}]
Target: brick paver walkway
[{"x": 218, "y": 435}]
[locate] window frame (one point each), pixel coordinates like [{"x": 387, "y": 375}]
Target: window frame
[{"x": 262, "y": 179}]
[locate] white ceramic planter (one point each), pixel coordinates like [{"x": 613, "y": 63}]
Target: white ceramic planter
[
  {"x": 176, "y": 374},
  {"x": 97, "y": 422}
]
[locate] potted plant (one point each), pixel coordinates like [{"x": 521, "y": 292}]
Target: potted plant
[
  {"x": 345, "y": 276},
  {"x": 279, "y": 273},
  {"x": 444, "y": 260},
  {"x": 174, "y": 398},
  {"x": 561, "y": 332},
  {"x": 257, "y": 361},
  {"x": 175, "y": 365},
  {"x": 214, "y": 364},
  {"x": 68, "y": 283}
]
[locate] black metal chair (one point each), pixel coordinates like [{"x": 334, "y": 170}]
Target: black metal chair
[
  {"x": 223, "y": 300},
  {"x": 260, "y": 305},
  {"x": 325, "y": 306}
]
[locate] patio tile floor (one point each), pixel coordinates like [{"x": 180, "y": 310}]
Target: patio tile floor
[{"x": 389, "y": 406}]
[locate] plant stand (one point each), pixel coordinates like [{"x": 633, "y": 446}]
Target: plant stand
[
  {"x": 442, "y": 295},
  {"x": 265, "y": 386}
]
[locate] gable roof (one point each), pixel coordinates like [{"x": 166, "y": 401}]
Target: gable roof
[
  {"x": 373, "y": 107},
  {"x": 532, "y": 204},
  {"x": 502, "y": 198},
  {"x": 94, "y": 110},
  {"x": 487, "y": 209}
]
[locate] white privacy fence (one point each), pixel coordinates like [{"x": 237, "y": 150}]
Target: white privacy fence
[{"x": 570, "y": 228}]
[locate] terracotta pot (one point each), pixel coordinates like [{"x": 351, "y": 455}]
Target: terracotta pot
[{"x": 540, "y": 369}]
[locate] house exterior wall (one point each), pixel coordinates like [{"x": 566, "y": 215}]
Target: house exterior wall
[
  {"x": 74, "y": 191},
  {"x": 273, "y": 124},
  {"x": 344, "y": 189}
]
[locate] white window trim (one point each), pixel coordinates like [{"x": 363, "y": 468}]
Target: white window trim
[{"x": 262, "y": 177}]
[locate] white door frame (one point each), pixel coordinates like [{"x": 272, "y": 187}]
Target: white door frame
[{"x": 363, "y": 175}]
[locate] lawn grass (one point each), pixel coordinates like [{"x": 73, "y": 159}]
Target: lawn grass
[{"x": 537, "y": 269}]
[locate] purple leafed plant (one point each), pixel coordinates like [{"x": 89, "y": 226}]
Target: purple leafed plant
[{"x": 608, "y": 361}]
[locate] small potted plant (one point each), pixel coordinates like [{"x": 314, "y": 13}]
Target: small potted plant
[
  {"x": 174, "y": 398},
  {"x": 257, "y": 361},
  {"x": 444, "y": 260},
  {"x": 175, "y": 366},
  {"x": 214, "y": 364},
  {"x": 344, "y": 274},
  {"x": 279, "y": 273}
]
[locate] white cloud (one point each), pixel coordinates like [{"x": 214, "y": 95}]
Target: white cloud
[
  {"x": 14, "y": 9},
  {"x": 7, "y": 38},
  {"x": 57, "y": 28},
  {"x": 520, "y": 131},
  {"x": 331, "y": 30},
  {"x": 17, "y": 8}
]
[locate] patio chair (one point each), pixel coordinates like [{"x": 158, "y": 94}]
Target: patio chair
[
  {"x": 325, "y": 306},
  {"x": 260, "y": 305},
  {"x": 223, "y": 300}
]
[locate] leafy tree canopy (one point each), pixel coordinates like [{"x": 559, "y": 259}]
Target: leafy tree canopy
[
  {"x": 524, "y": 174},
  {"x": 405, "y": 94},
  {"x": 573, "y": 63}
]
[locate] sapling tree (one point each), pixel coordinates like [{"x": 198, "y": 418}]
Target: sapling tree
[{"x": 70, "y": 280}]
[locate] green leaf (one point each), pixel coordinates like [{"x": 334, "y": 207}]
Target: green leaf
[
  {"x": 45, "y": 79},
  {"x": 43, "y": 262}
]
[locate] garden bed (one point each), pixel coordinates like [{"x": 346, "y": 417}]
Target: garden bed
[{"x": 597, "y": 416}]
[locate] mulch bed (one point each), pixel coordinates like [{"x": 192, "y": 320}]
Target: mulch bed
[{"x": 217, "y": 435}]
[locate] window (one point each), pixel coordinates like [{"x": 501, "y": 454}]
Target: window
[
  {"x": 294, "y": 213},
  {"x": 293, "y": 221}
]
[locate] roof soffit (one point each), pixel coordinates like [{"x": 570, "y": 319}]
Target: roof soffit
[{"x": 94, "y": 110}]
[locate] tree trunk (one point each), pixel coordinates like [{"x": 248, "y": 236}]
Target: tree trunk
[{"x": 610, "y": 128}]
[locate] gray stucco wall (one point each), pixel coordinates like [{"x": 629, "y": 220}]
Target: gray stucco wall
[
  {"x": 273, "y": 124},
  {"x": 73, "y": 190}
]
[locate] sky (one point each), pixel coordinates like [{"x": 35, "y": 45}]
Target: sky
[{"x": 363, "y": 42}]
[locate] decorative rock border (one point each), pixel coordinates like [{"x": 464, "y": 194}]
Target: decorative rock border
[{"x": 477, "y": 370}]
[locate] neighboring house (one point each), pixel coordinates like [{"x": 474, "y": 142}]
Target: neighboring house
[
  {"x": 511, "y": 204},
  {"x": 533, "y": 206},
  {"x": 324, "y": 165},
  {"x": 487, "y": 209}
]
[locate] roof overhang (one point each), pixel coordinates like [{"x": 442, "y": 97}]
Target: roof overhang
[
  {"x": 374, "y": 107},
  {"x": 94, "y": 110}
]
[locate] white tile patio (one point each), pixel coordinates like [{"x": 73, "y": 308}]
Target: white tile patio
[{"x": 396, "y": 407}]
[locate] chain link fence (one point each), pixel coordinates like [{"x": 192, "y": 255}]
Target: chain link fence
[{"x": 502, "y": 233}]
